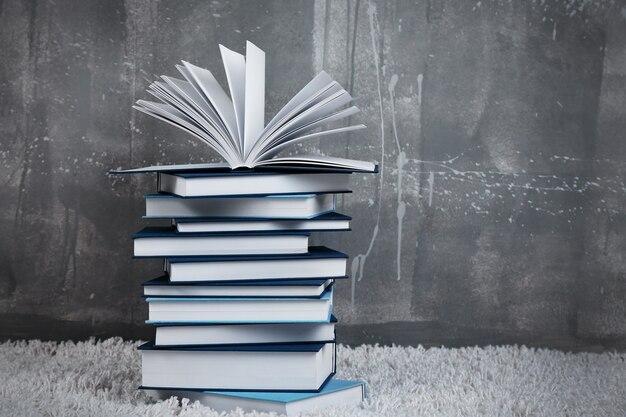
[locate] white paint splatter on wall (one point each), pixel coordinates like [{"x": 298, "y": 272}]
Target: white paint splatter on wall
[
  {"x": 358, "y": 262},
  {"x": 400, "y": 163}
]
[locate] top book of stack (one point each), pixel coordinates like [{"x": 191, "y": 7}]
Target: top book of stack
[
  {"x": 215, "y": 182},
  {"x": 234, "y": 126}
]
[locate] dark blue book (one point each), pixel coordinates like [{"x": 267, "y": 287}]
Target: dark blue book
[
  {"x": 296, "y": 367},
  {"x": 296, "y": 206},
  {"x": 318, "y": 262},
  {"x": 159, "y": 242},
  {"x": 240, "y": 309},
  {"x": 170, "y": 231},
  {"x": 162, "y": 287},
  {"x": 208, "y": 334},
  {"x": 334, "y": 392},
  {"x": 324, "y": 222}
]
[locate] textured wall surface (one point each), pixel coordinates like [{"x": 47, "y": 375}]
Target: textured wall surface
[{"x": 498, "y": 215}]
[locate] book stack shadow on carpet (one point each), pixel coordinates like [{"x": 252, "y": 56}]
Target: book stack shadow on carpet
[{"x": 243, "y": 311}]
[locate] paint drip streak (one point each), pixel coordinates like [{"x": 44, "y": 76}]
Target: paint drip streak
[
  {"x": 358, "y": 263},
  {"x": 400, "y": 162}
]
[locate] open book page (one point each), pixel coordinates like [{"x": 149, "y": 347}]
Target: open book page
[
  {"x": 320, "y": 95},
  {"x": 205, "y": 82},
  {"x": 234, "y": 125},
  {"x": 322, "y": 108},
  {"x": 235, "y": 68},
  {"x": 211, "y": 166},
  {"x": 157, "y": 116},
  {"x": 176, "y": 118},
  {"x": 325, "y": 107},
  {"x": 321, "y": 161},
  {"x": 168, "y": 95},
  {"x": 286, "y": 139},
  {"x": 299, "y": 132},
  {"x": 320, "y": 81},
  {"x": 186, "y": 91},
  {"x": 274, "y": 150},
  {"x": 255, "y": 96}
]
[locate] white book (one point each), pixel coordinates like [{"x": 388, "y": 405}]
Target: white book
[
  {"x": 241, "y": 334},
  {"x": 249, "y": 183},
  {"x": 334, "y": 393},
  {"x": 293, "y": 367},
  {"x": 235, "y": 126},
  {"x": 162, "y": 287},
  {"x": 328, "y": 222},
  {"x": 239, "y": 310},
  {"x": 318, "y": 262},
  {"x": 165, "y": 241},
  {"x": 301, "y": 206}
]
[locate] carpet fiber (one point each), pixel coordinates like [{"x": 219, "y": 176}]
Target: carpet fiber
[{"x": 100, "y": 379}]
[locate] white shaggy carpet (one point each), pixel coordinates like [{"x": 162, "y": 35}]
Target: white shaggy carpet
[{"x": 100, "y": 379}]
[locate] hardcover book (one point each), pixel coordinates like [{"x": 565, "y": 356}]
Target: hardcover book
[
  {"x": 166, "y": 241},
  {"x": 162, "y": 287},
  {"x": 300, "y": 206},
  {"x": 319, "y": 262},
  {"x": 335, "y": 392},
  {"x": 324, "y": 222},
  {"x": 240, "y": 309},
  {"x": 193, "y": 184},
  {"x": 206, "y": 334},
  {"x": 284, "y": 367}
]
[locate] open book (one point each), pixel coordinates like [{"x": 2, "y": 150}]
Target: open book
[{"x": 235, "y": 127}]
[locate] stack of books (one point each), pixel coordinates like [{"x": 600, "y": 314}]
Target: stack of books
[{"x": 243, "y": 310}]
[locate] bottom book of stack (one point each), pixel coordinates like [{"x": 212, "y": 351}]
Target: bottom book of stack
[{"x": 334, "y": 392}]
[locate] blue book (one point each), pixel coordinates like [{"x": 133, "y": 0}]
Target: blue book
[
  {"x": 240, "y": 309},
  {"x": 158, "y": 242},
  {"x": 324, "y": 222},
  {"x": 297, "y": 206},
  {"x": 297, "y": 367},
  {"x": 335, "y": 392},
  {"x": 171, "y": 232},
  {"x": 318, "y": 262},
  {"x": 209, "y": 334},
  {"x": 162, "y": 287}
]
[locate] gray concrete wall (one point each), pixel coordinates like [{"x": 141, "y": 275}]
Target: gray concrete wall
[{"x": 498, "y": 213}]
